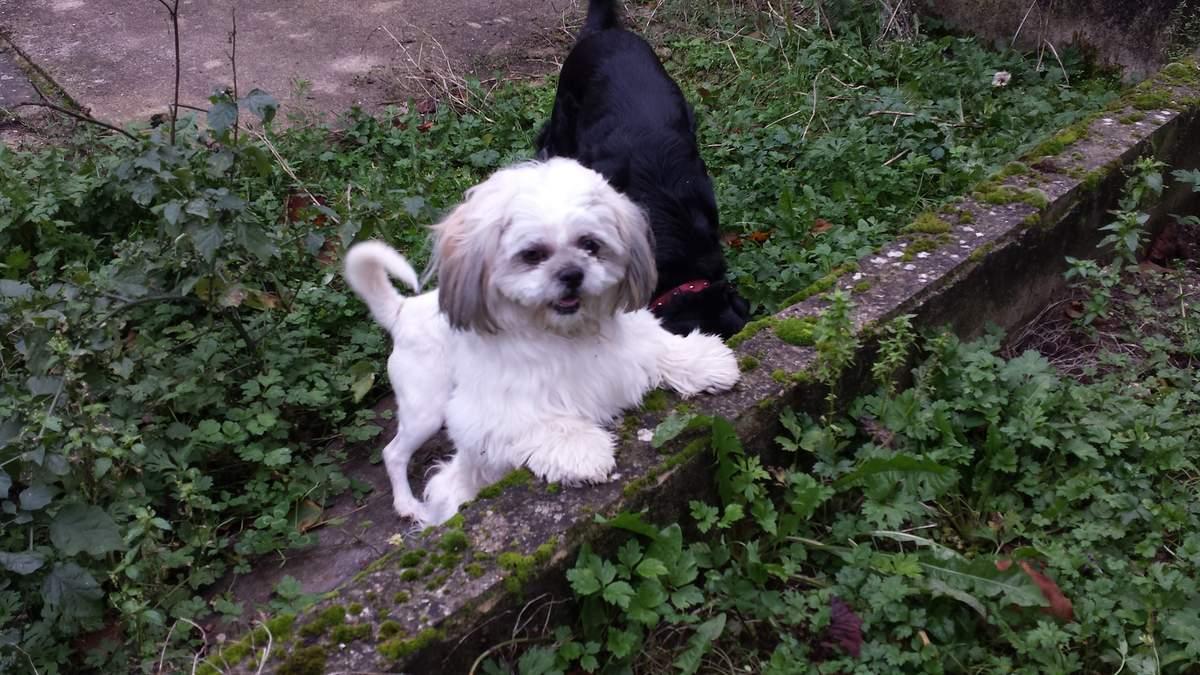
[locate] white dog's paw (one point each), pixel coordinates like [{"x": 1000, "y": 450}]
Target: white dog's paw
[
  {"x": 703, "y": 365},
  {"x": 572, "y": 452},
  {"x": 408, "y": 507}
]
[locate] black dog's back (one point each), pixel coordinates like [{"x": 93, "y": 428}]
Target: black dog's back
[{"x": 618, "y": 111}]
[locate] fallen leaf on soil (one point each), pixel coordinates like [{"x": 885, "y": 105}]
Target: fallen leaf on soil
[
  {"x": 732, "y": 240},
  {"x": 1148, "y": 266},
  {"x": 1166, "y": 246},
  {"x": 299, "y": 202},
  {"x": 425, "y": 126},
  {"x": 1074, "y": 310},
  {"x": 328, "y": 253},
  {"x": 760, "y": 236},
  {"x": 821, "y": 225},
  {"x": 1060, "y": 606},
  {"x": 308, "y": 515}
]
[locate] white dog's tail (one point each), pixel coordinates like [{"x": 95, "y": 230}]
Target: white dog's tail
[{"x": 368, "y": 268}]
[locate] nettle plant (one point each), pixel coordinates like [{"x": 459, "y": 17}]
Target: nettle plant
[
  {"x": 175, "y": 363},
  {"x": 1124, "y": 240}
]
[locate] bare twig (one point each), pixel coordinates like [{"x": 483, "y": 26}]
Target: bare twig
[
  {"x": 283, "y": 165},
  {"x": 1022, "y": 25},
  {"x": 79, "y": 116},
  {"x": 173, "y": 12},
  {"x": 167, "y": 641},
  {"x": 262, "y": 662},
  {"x": 891, "y": 21},
  {"x": 1066, "y": 77},
  {"x": 898, "y": 156},
  {"x": 233, "y": 66}
]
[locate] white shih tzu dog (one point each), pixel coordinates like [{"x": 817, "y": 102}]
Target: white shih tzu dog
[{"x": 536, "y": 339}]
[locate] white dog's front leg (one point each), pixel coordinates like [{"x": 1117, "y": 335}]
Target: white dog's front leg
[
  {"x": 568, "y": 450},
  {"x": 697, "y": 363},
  {"x": 456, "y": 483}
]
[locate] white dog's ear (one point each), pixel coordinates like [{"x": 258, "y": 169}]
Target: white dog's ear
[
  {"x": 463, "y": 256},
  {"x": 641, "y": 276}
]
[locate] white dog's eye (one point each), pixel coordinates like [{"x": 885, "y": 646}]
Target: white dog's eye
[
  {"x": 590, "y": 245},
  {"x": 533, "y": 256}
]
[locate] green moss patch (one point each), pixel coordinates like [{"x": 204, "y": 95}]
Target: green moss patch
[
  {"x": 928, "y": 223},
  {"x": 518, "y": 477},
  {"x": 1005, "y": 194},
  {"x": 749, "y": 330},
  {"x": 328, "y": 618},
  {"x": 304, "y": 661},
  {"x": 397, "y": 648},
  {"x": 796, "y": 330},
  {"x": 656, "y": 400},
  {"x": 747, "y": 363},
  {"x": 347, "y": 633}
]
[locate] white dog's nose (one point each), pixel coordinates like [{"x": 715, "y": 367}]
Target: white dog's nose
[{"x": 571, "y": 277}]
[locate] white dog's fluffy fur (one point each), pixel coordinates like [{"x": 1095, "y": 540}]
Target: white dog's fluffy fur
[{"x": 536, "y": 339}]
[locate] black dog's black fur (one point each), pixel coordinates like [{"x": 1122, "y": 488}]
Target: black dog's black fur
[{"x": 618, "y": 112}]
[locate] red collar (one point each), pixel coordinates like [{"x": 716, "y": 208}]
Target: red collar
[{"x": 694, "y": 286}]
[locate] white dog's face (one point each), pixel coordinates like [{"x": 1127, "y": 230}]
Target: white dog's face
[{"x": 549, "y": 246}]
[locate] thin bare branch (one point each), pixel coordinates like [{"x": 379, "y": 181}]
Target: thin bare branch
[{"x": 79, "y": 116}]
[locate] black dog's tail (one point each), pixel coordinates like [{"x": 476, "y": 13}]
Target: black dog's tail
[{"x": 601, "y": 15}]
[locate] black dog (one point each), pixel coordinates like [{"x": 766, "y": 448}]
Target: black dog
[{"x": 618, "y": 112}]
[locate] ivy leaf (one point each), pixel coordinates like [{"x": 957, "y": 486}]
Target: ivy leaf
[
  {"x": 171, "y": 212},
  {"x": 207, "y": 240},
  {"x": 37, "y": 496},
  {"x": 69, "y": 591},
  {"x": 144, "y": 191},
  {"x": 14, "y": 289},
  {"x": 256, "y": 240},
  {"x": 80, "y": 527},
  {"x": 43, "y": 385},
  {"x": 221, "y": 116},
  {"x": 261, "y": 104},
  {"x": 21, "y": 563},
  {"x": 414, "y": 205}
]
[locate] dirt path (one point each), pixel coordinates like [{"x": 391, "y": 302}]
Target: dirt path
[{"x": 115, "y": 56}]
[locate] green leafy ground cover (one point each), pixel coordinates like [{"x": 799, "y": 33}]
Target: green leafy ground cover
[
  {"x": 181, "y": 364},
  {"x": 1010, "y": 510}
]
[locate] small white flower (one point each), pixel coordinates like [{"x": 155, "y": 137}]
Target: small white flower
[
  {"x": 645, "y": 435},
  {"x": 1001, "y": 78}
]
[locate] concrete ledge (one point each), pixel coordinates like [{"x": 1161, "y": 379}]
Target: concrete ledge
[{"x": 436, "y": 600}]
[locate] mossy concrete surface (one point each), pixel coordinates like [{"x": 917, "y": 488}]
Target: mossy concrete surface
[{"x": 434, "y": 601}]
